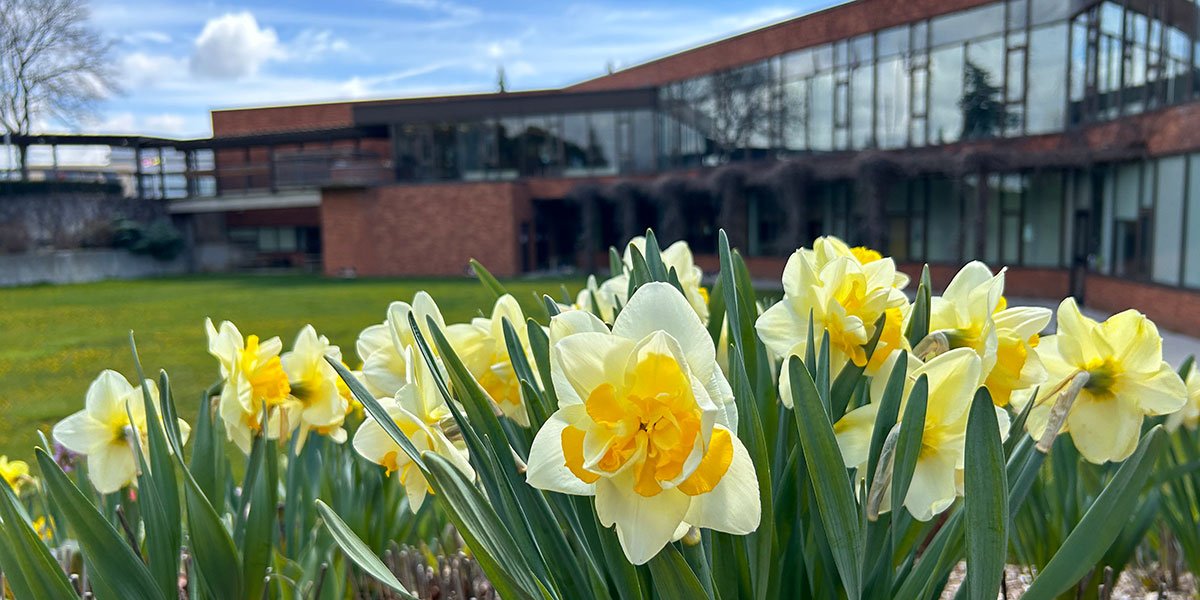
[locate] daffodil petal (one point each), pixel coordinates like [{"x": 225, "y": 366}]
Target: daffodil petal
[
  {"x": 1161, "y": 393},
  {"x": 933, "y": 487},
  {"x": 111, "y": 467},
  {"x": 547, "y": 467},
  {"x": 660, "y": 307},
  {"x": 1104, "y": 428},
  {"x": 580, "y": 363},
  {"x": 853, "y": 433},
  {"x": 645, "y": 524},
  {"x": 733, "y": 506}
]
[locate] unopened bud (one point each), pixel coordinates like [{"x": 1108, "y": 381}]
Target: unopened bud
[
  {"x": 883, "y": 474},
  {"x": 932, "y": 345},
  {"x": 692, "y": 537}
]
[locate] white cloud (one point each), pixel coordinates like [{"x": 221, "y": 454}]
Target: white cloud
[
  {"x": 142, "y": 70},
  {"x": 153, "y": 37},
  {"x": 314, "y": 45},
  {"x": 233, "y": 46}
]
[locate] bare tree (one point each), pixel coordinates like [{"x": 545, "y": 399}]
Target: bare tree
[{"x": 53, "y": 64}]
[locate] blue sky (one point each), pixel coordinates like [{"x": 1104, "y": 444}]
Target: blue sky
[{"x": 179, "y": 59}]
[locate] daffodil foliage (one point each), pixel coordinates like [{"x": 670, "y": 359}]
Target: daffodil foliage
[{"x": 662, "y": 433}]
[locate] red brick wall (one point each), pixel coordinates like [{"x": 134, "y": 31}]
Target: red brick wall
[
  {"x": 829, "y": 25},
  {"x": 429, "y": 229},
  {"x": 245, "y": 121},
  {"x": 1170, "y": 308}
]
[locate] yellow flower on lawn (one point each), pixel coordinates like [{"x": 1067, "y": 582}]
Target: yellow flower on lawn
[
  {"x": 103, "y": 431},
  {"x": 972, "y": 313},
  {"x": 844, "y": 298},
  {"x": 314, "y": 385},
  {"x": 953, "y": 378},
  {"x": 15, "y": 472},
  {"x": 1189, "y": 415},
  {"x": 484, "y": 352},
  {"x": 254, "y": 380},
  {"x": 421, "y": 413},
  {"x": 1127, "y": 380},
  {"x": 645, "y": 423}
]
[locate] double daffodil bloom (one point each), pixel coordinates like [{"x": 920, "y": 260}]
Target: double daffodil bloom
[
  {"x": 972, "y": 313},
  {"x": 15, "y": 472},
  {"x": 677, "y": 256},
  {"x": 485, "y": 353},
  {"x": 114, "y": 412},
  {"x": 381, "y": 347},
  {"x": 845, "y": 298},
  {"x": 1189, "y": 415},
  {"x": 255, "y": 382},
  {"x": 953, "y": 378},
  {"x": 645, "y": 423},
  {"x": 1127, "y": 380},
  {"x": 419, "y": 410},
  {"x": 322, "y": 406}
]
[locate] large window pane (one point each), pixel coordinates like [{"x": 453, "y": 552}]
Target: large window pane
[
  {"x": 892, "y": 95},
  {"x": 1046, "y": 100},
  {"x": 1043, "y": 220},
  {"x": 945, "y": 91},
  {"x": 862, "y": 98},
  {"x": 945, "y": 222},
  {"x": 795, "y": 115},
  {"x": 1168, "y": 220},
  {"x": 602, "y": 143},
  {"x": 968, "y": 24},
  {"x": 1191, "y": 266},
  {"x": 820, "y": 118},
  {"x": 643, "y": 141},
  {"x": 984, "y": 112}
]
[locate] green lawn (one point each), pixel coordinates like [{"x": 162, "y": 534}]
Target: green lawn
[{"x": 55, "y": 339}]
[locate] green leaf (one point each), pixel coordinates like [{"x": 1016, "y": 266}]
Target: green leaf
[
  {"x": 31, "y": 571},
  {"x": 115, "y": 570},
  {"x": 376, "y": 410},
  {"x": 986, "y": 499},
  {"x": 831, "y": 483},
  {"x": 358, "y": 552},
  {"x": 258, "y": 531},
  {"x": 615, "y": 265},
  {"x": 908, "y": 443},
  {"x": 158, "y": 499},
  {"x": 488, "y": 280},
  {"x": 1101, "y": 523},
  {"x": 918, "y": 324},
  {"x": 216, "y": 562},
  {"x": 208, "y": 463},
  {"x": 888, "y": 412},
  {"x": 654, "y": 261},
  {"x": 851, "y": 374},
  {"x": 672, "y": 577}
]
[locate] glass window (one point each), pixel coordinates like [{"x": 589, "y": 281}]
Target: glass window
[
  {"x": 892, "y": 97},
  {"x": 984, "y": 113},
  {"x": 1191, "y": 265},
  {"x": 795, "y": 115},
  {"x": 1045, "y": 102},
  {"x": 1043, "y": 220},
  {"x": 944, "y": 215},
  {"x": 508, "y": 147},
  {"x": 967, "y": 24},
  {"x": 1168, "y": 220},
  {"x": 602, "y": 143},
  {"x": 642, "y": 155},
  {"x": 820, "y": 117},
  {"x": 862, "y": 97},
  {"x": 1017, "y": 12},
  {"x": 1046, "y": 11},
  {"x": 945, "y": 89},
  {"x": 892, "y": 41}
]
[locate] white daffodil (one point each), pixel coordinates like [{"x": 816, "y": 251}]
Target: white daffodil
[
  {"x": 605, "y": 296},
  {"x": 381, "y": 347},
  {"x": 953, "y": 378},
  {"x": 845, "y": 298},
  {"x": 314, "y": 385},
  {"x": 255, "y": 383},
  {"x": 103, "y": 431},
  {"x": 645, "y": 423},
  {"x": 1127, "y": 380},
  {"x": 419, "y": 410}
]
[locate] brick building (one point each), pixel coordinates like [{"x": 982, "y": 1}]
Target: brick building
[{"x": 1057, "y": 137}]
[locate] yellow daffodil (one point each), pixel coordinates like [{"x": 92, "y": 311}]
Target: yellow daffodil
[
  {"x": 645, "y": 423},
  {"x": 103, "y": 431},
  {"x": 15, "y": 472},
  {"x": 1127, "y": 380},
  {"x": 254, "y": 381},
  {"x": 972, "y": 313},
  {"x": 419, "y": 410},
  {"x": 953, "y": 378},
  {"x": 484, "y": 351},
  {"x": 844, "y": 298},
  {"x": 1189, "y": 414},
  {"x": 314, "y": 385}
]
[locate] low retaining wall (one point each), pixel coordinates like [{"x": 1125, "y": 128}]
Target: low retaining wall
[{"x": 81, "y": 266}]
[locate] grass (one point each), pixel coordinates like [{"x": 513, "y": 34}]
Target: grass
[{"x": 56, "y": 339}]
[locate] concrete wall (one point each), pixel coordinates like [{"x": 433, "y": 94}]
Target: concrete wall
[{"x": 81, "y": 266}]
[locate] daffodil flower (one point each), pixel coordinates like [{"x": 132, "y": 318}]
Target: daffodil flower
[
  {"x": 953, "y": 378},
  {"x": 677, "y": 256},
  {"x": 485, "y": 353},
  {"x": 15, "y": 472},
  {"x": 845, "y": 299},
  {"x": 1127, "y": 380},
  {"x": 103, "y": 431},
  {"x": 645, "y": 423},
  {"x": 314, "y": 385},
  {"x": 1189, "y": 415},
  {"x": 254, "y": 381},
  {"x": 605, "y": 296},
  {"x": 381, "y": 347},
  {"x": 419, "y": 410},
  {"x": 972, "y": 313}
]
